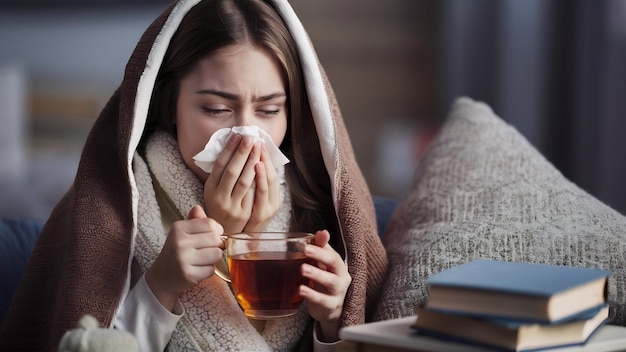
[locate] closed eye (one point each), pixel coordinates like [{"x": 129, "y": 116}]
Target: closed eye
[
  {"x": 215, "y": 112},
  {"x": 270, "y": 112}
]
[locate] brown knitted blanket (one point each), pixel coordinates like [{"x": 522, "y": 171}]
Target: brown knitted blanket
[{"x": 81, "y": 262}]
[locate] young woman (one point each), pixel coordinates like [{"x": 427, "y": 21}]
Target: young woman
[{"x": 136, "y": 239}]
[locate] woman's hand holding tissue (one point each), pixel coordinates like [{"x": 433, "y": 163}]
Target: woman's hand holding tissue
[{"x": 242, "y": 192}]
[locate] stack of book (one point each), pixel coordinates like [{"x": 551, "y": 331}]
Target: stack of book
[{"x": 515, "y": 306}]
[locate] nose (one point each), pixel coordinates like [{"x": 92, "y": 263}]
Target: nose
[{"x": 245, "y": 117}]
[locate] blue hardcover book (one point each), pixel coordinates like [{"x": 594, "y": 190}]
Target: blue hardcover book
[
  {"x": 518, "y": 290},
  {"x": 509, "y": 335}
]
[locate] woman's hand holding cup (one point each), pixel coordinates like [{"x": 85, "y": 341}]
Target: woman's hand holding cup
[
  {"x": 192, "y": 249},
  {"x": 330, "y": 282},
  {"x": 195, "y": 246}
]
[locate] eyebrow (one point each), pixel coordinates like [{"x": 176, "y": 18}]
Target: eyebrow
[{"x": 235, "y": 97}]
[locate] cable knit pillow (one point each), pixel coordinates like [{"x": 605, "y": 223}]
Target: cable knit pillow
[{"x": 482, "y": 191}]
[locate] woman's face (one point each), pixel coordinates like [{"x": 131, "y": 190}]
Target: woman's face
[{"x": 239, "y": 85}]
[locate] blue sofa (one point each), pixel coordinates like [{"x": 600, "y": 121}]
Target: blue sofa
[{"x": 18, "y": 237}]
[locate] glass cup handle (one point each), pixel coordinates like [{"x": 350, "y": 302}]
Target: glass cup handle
[{"x": 221, "y": 267}]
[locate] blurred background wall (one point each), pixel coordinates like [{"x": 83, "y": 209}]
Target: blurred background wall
[{"x": 553, "y": 69}]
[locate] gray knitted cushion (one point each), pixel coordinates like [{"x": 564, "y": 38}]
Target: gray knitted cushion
[{"x": 483, "y": 191}]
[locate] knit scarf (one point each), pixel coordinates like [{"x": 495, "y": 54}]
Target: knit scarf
[{"x": 213, "y": 319}]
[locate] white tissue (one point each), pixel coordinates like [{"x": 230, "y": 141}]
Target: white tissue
[{"x": 206, "y": 158}]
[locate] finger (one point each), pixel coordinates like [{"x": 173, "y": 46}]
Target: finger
[
  {"x": 262, "y": 187},
  {"x": 207, "y": 227},
  {"x": 332, "y": 283},
  {"x": 247, "y": 202},
  {"x": 321, "y": 238},
  {"x": 222, "y": 159},
  {"x": 270, "y": 177},
  {"x": 196, "y": 212},
  {"x": 231, "y": 163},
  {"x": 327, "y": 258},
  {"x": 232, "y": 173},
  {"x": 314, "y": 297},
  {"x": 196, "y": 273},
  {"x": 189, "y": 243},
  {"x": 267, "y": 160},
  {"x": 208, "y": 256},
  {"x": 247, "y": 173}
]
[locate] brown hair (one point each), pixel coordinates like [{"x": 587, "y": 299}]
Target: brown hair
[{"x": 214, "y": 24}]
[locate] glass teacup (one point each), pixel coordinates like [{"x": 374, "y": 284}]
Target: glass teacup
[{"x": 264, "y": 269}]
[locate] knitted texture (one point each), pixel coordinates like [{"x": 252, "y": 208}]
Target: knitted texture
[
  {"x": 213, "y": 321},
  {"x": 81, "y": 263},
  {"x": 483, "y": 191}
]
